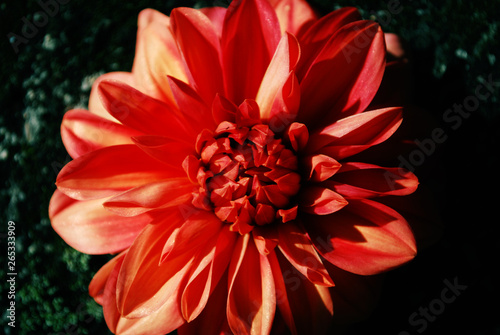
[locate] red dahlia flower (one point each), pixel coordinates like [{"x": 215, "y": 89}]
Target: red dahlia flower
[{"x": 222, "y": 171}]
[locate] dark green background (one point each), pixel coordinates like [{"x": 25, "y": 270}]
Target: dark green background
[{"x": 455, "y": 45}]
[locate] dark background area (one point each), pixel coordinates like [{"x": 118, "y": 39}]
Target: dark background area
[{"x": 455, "y": 47}]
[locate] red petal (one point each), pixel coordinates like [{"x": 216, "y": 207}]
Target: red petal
[
  {"x": 248, "y": 23},
  {"x": 284, "y": 61},
  {"x": 320, "y": 201},
  {"x": 95, "y": 104},
  {"x": 83, "y": 132},
  {"x": 205, "y": 278},
  {"x": 306, "y": 308},
  {"x": 216, "y": 15},
  {"x": 192, "y": 107},
  {"x": 168, "y": 151},
  {"x": 365, "y": 238},
  {"x": 163, "y": 321},
  {"x": 286, "y": 105},
  {"x": 293, "y": 14},
  {"x": 89, "y": 228},
  {"x": 355, "y": 133},
  {"x": 314, "y": 36},
  {"x": 299, "y": 251},
  {"x": 223, "y": 110},
  {"x": 360, "y": 180},
  {"x": 251, "y": 298},
  {"x": 162, "y": 194},
  {"x": 321, "y": 30},
  {"x": 156, "y": 56},
  {"x": 143, "y": 113},
  {"x": 321, "y": 167},
  {"x": 145, "y": 285},
  {"x": 355, "y": 58},
  {"x": 197, "y": 230},
  {"x": 98, "y": 283},
  {"x": 212, "y": 320},
  {"x": 298, "y": 136},
  {"x": 111, "y": 170},
  {"x": 200, "y": 48}
]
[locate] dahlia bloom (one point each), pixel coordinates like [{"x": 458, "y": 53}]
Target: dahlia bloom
[{"x": 222, "y": 172}]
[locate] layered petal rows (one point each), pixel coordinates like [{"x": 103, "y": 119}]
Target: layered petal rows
[{"x": 222, "y": 172}]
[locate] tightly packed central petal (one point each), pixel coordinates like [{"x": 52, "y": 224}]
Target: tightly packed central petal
[{"x": 247, "y": 175}]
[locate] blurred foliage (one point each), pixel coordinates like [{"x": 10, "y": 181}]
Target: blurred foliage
[{"x": 455, "y": 46}]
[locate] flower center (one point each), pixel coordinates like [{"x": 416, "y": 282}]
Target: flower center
[{"x": 247, "y": 175}]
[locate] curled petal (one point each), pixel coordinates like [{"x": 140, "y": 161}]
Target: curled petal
[
  {"x": 320, "y": 201},
  {"x": 321, "y": 167},
  {"x": 365, "y": 238},
  {"x": 298, "y": 136}
]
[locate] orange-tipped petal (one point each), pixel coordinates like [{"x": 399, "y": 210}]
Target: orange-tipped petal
[
  {"x": 293, "y": 15},
  {"x": 284, "y": 61},
  {"x": 157, "y": 195},
  {"x": 95, "y": 104},
  {"x": 109, "y": 171},
  {"x": 355, "y": 133},
  {"x": 248, "y": 23},
  {"x": 156, "y": 56},
  {"x": 89, "y": 228},
  {"x": 365, "y": 238},
  {"x": 83, "y": 132}
]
